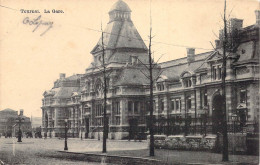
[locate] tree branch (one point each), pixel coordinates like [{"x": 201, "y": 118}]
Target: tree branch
[{"x": 144, "y": 74}]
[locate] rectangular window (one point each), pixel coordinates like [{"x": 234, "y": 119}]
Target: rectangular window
[
  {"x": 130, "y": 106},
  {"x": 214, "y": 72},
  {"x": 204, "y": 98},
  {"x": 189, "y": 102},
  {"x": 177, "y": 104},
  {"x": 219, "y": 72},
  {"x": 161, "y": 105},
  {"x": 172, "y": 104},
  {"x": 118, "y": 108},
  {"x": 243, "y": 96},
  {"x": 99, "y": 110},
  {"x": 136, "y": 107},
  {"x": 117, "y": 120},
  {"x": 180, "y": 104}
]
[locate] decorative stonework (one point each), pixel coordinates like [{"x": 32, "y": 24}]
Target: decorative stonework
[
  {"x": 242, "y": 70},
  {"x": 180, "y": 142}
]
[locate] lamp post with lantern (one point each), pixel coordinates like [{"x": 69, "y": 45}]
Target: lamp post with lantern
[
  {"x": 19, "y": 120},
  {"x": 66, "y": 145}
]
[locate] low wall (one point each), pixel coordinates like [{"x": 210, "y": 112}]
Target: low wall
[{"x": 180, "y": 142}]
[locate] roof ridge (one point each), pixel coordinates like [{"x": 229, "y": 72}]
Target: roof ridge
[{"x": 200, "y": 54}]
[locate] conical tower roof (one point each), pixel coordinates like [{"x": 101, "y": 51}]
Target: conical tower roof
[{"x": 120, "y": 32}]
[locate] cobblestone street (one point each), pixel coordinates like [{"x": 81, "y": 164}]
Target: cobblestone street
[
  {"x": 44, "y": 151},
  {"x": 38, "y": 151}
]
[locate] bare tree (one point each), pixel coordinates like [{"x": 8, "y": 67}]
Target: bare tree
[
  {"x": 224, "y": 123},
  {"x": 151, "y": 96},
  {"x": 105, "y": 128}
]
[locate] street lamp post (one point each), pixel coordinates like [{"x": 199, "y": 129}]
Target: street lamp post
[
  {"x": 81, "y": 129},
  {"x": 98, "y": 132},
  {"x": 66, "y": 146},
  {"x": 19, "y": 120}
]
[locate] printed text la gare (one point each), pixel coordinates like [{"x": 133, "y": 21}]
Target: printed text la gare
[{"x": 53, "y": 11}]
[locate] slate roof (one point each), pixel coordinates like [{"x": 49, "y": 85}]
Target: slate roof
[
  {"x": 8, "y": 110},
  {"x": 73, "y": 77},
  {"x": 250, "y": 53},
  {"x": 65, "y": 92},
  {"x": 133, "y": 76},
  {"x": 173, "y": 69},
  {"x": 65, "y": 88},
  {"x": 121, "y": 33}
]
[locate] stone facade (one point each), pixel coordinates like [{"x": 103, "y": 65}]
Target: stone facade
[
  {"x": 185, "y": 93},
  {"x": 9, "y": 123}
]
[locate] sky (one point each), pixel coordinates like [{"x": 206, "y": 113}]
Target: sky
[{"x": 30, "y": 62}]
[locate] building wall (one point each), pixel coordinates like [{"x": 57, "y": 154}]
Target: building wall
[{"x": 194, "y": 81}]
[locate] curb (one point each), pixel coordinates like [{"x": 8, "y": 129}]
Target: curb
[{"x": 93, "y": 157}]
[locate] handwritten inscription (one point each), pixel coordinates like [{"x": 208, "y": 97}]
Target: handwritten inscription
[{"x": 37, "y": 22}]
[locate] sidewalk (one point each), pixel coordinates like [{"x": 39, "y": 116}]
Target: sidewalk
[{"x": 177, "y": 157}]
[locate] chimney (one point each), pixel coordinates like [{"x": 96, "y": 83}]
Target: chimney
[
  {"x": 257, "y": 14},
  {"x": 217, "y": 44},
  {"x": 21, "y": 112},
  {"x": 62, "y": 75},
  {"x": 190, "y": 55},
  {"x": 236, "y": 24}
]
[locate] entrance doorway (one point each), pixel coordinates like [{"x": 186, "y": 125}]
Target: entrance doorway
[{"x": 217, "y": 113}]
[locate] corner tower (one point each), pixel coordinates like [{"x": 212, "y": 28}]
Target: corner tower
[{"x": 121, "y": 40}]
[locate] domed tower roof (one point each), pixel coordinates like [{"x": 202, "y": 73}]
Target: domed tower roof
[{"x": 120, "y": 6}]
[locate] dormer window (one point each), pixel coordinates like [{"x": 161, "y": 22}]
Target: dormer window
[
  {"x": 187, "y": 82},
  {"x": 187, "y": 79},
  {"x": 160, "y": 86},
  {"x": 216, "y": 72}
]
